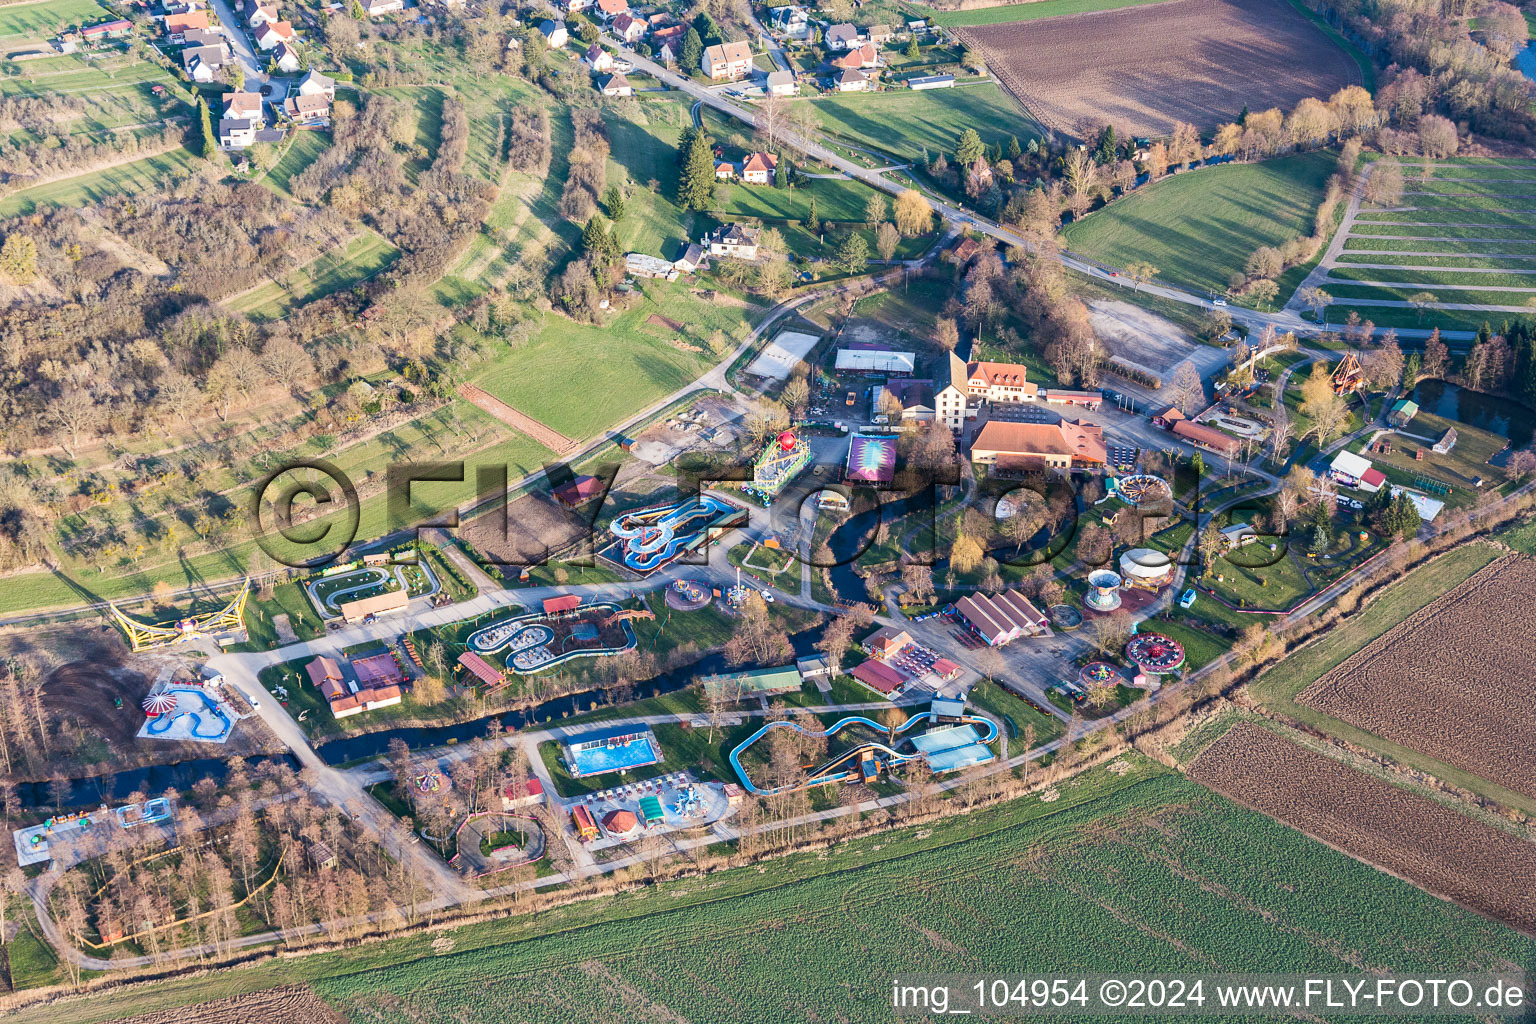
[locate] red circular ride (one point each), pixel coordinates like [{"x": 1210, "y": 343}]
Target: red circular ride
[
  {"x": 1154, "y": 653},
  {"x": 787, "y": 440}
]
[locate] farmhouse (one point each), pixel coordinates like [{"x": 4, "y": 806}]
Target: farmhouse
[
  {"x": 1035, "y": 447},
  {"x": 732, "y": 240},
  {"x": 865, "y": 56},
  {"x": 1002, "y": 618},
  {"x": 727, "y": 60},
  {"x": 692, "y": 259},
  {"x": 308, "y": 111}
]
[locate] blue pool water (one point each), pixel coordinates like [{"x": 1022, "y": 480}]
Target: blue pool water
[
  {"x": 1525, "y": 62},
  {"x": 598, "y": 760}
]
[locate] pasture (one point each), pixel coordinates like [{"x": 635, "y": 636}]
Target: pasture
[
  {"x": 304, "y": 148},
  {"x": 132, "y": 178},
  {"x": 1146, "y": 68},
  {"x": 907, "y": 124},
  {"x": 42, "y": 20},
  {"x": 1148, "y": 868},
  {"x": 1199, "y": 227},
  {"x": 1462, "y": 235},
  {"x": 364, "y": 256},
  {"x": 583, "y": 378}
]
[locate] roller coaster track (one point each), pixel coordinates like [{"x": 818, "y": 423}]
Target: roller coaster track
[{"x": 822, "y": 775}]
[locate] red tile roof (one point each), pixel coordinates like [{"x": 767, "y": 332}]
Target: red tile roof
[
  {"x": 1199, "y": 433},
  {"x": 563, "y": 603},
  {"x": 480, "y": 668},
  {"x": 620, "y": 821},
  {"x": 878, "y": 676}
]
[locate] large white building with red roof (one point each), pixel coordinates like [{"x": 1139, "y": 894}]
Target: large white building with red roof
[{"x": 1002, "y": 618}]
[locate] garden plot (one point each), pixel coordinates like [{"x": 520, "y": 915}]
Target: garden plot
[{"x": 1459, "y": 244}]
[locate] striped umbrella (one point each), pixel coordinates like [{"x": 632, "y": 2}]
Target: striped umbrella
[{"x": 160, "y": 703}]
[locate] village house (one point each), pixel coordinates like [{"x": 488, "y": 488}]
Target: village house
[
  {"x": 287, "y": 58},
  {"x": 176, "y": 25},
  {"x": 272, "y": 34},
  {"x": 860, "y": 57},
  {"x": 880, "y": 34},
  {"x": 203, "y": 62},
  {"x": 733, "y": 240},
  {"x": 312, "y": 111},
  {"x": 374, "y": 8},
  {"x": 315, "y": 84},
  {"x": 842, "y": 36},
  {"x": 780, "y": 83},
  {"x": 597, "y": 59},
  {"x": 851, "y": 80},
  {"x": 257, "y": 14},
  {"x": 104, "y": 30},
  {"x": 615, "y": 86},
  {"x": 610, "y": 9},
  {"x": 693, "y": 259},
  {"x": 237, "y": 132},
  {"x": 725, "y": 170},
  {"x": 727, "y": 60},
  {"x": 630, "y": 28},
  {"x": 574, "y": 6},
  {"x": 243, "y": 104},
  {"x": 555, "y": 33},
  {"x": 759, "y": 168}
]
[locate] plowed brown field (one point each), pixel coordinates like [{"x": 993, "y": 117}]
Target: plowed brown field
[
  {"x": 1144, "y": 69},
  {"x": 1429, "y": 844},
  {"x": 291, "y": 1004},
  {"x": 1453, "y": 680}
]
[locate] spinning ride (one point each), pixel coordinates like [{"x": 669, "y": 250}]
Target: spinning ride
[
  {"x": 1103, "y": 590},
  {"x": 1154, "y": 653}
]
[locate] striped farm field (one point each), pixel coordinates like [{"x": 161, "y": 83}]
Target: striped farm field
[
  {"x": 131, "y": 178},
  {"x": 362, "y": 257},
  {"x": 1464, "y": 232}
]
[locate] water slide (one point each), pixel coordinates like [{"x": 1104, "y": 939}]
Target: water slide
[
  {"x": 651, "y": 540},
  {"x": 824, "y": 774},
  {"x": 165, "y": 721}
]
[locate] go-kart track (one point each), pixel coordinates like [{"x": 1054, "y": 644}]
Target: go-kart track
[
  {"x": 946, "y": 750},
  {"x": 649, "y": 539}
]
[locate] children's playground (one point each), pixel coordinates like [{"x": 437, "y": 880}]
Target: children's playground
[
  {"x": 540, "y": 641},
  {"x": 32, "y": 842},
  {"x": 331, "y": 589},
  {"x": 672, "y": 801},
  {"x": 688, "y": 595},
  {"x": 648, "y": 540},
  {"x": 611, "y": 750},
  {"x": 947, "y": 748},
  {"x": 187, "y": 712}
]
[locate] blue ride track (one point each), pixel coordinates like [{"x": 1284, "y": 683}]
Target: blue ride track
[
  {"x": 165, "y": 721},
  {"x": 893, "y": 757}
]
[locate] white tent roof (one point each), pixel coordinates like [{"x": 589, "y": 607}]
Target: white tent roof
[
  {"x": 876, "y": 359},
  {"x": 1351, "y": 464},
  {"x": 1144, "y": 563}
]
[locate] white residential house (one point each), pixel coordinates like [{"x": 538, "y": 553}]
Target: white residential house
[
  {"x": 851, "y": 80},
  {"x": 598, "y": 59},
  {"x": 555, "y": 33},
  {"x": 727, "y": 60},
  {"x": 732, "y": 240},
  {"x": 758, "y": 169},
  {"x": 665, "y": 55},
  {"x": 243, "y": 105},
  {"x": 574, "y": 6},
  {"x": 315, "y": 84},
  {"x": 610, "y": 9},
  {"x": 781, "y": 83},
  {"x": 693, "y": 258},
  {"x": 843, "y": 36},
  {"x": 201, "y": 71},
  {"x": 308, "y": 111},
  {"x": 259, "y": 14},
  {"x": 615, "y": 85},
  {"x": 287, "y": 58},
  {"x": 630, "y": 28},
  {"x": 374, "y": 8},
  {"x": 237, "y": 132},
  {"x": 273, "y": 34}
]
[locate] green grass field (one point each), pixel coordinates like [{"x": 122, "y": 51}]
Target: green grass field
[
  {"x": 39, "y": 21},
  {"x": 1031, "y": 11},
  {"x": 1278, "y": 687},
  {"x": 1148, "y": 869},
  {"x": 906, "y": 123},
  {"x": 361, "y": 258},
  {"x": 1199, "y": 227},
  {"x": 582, "y": 378},
  {"x": 303, "y": 149},
  {"x": 134, "y": 178}
]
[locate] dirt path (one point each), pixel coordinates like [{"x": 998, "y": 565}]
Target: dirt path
[{"x": 547, "y": 436}]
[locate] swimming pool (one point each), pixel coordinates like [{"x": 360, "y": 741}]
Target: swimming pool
[{"x": 602, "y": 757}]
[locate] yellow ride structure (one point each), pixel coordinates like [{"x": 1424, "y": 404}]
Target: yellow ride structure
[{"x": 143, "y": 636}]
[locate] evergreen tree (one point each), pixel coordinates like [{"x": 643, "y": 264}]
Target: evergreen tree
[
  {"x": 781, "y": 173},
  {"x": 708, "y": 28},
  {"x": 613, "y": 202},
  {"x": 1411, "y": 371},
  {"x": 1197, "y": 463},
  {"x": 1014, "y": 152},
  {"x": 811, "y": 223},
  {"x": 852, "y": 254},
  {"x": 597, "y": 242},
  {"x": 692, "y": 51},
  {"x": 696, "y": 187},
  {"x": 1242, "y": 118},
  {"x": 970, "y": 147},
  {"x": 205, "y": 121},
  {"x": 1321, "y": 541},
  {"x": 1105, "y": 153},
  {"x": 912, "y": 51},
  {"x": 685, "y": 144}
]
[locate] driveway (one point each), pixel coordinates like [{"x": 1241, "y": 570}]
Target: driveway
[{"x": 240, "y": 43}]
